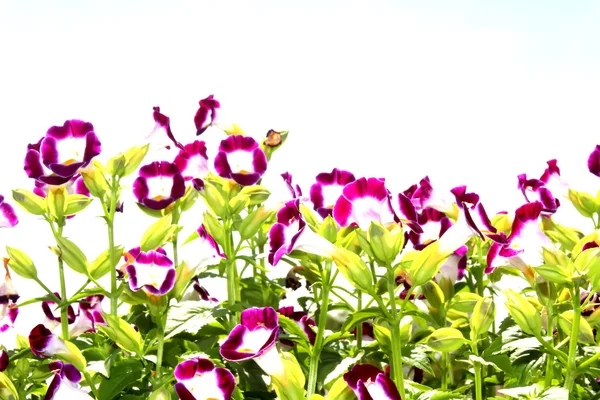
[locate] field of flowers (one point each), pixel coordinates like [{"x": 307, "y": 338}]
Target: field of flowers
[{"x": 399, "y": 292}]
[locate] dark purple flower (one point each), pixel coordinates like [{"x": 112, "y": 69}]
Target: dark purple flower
[
  {"x": 65, "y": 384},
  {"x": 159, "y": 184},
  {"x": 8, "y": 218},
  {"x": 294, "y": 190},
  {"x": 208, "y": 109},
  {"x": 362, "y": 202},
  {"x": 433, "y": 225},
  {"x": 152, "y": 271},
  {"x": 302, "y": 320},
  {"x": 291, "y": 232},
  {"x": 52, "y": 320},
  {"x": 44, "y": 343},
  {"x": 192, "y": 161},
  {"x": 328, "y": 189},
  {"x": 424, "y": 196},
  {"x": 161, "y": 135},
  {"x": 241, "y": 159},
  {"x": 202, "y": 292},
  {"x": 257, "y": 333},
  {"x": 370, "y": 383},
  {"x": 524, "y": 245},
  {"x": 8, "y": 293},
  {"x": 594, "y": 161},
  {"x": 199, "y": 379},
  {"x": 3, "y": 360},
  {"x": 57, "y": 157}
]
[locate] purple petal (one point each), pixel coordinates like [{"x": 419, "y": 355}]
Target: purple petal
[
  {"x": 362, "y": 372},
  {"x": 8, "y": 218},
  {"x": 594, "y": 161},
  {"x": 208, "y": 109}
]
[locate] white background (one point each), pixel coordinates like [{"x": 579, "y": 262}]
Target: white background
[{"x": 465, "y": 92}]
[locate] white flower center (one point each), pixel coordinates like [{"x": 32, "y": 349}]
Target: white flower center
[
  {"x": 367, "y": 209},
  {"x": 205, "y": 387},
  {"x": 241, "y": 162},
  {"x": 159, "y": 187},
  {"x": 70, "y": 150},
  {"x": 197, "y": 167},
  {"x": 331, "y": 193},
  {"x": 254, "y": 340},
  {"x": 376, "y": 391},
  {"x": 151, "y": 275}
]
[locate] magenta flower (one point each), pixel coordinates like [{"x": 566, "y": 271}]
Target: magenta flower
[
  {"x": 455, "y": 266},
  {"x": 290, "y": 233},
  {"x": 424, "y": 196},
  {"x": 328, "y": 189},
  {"x": 49, "y": 306},
  {"x": 295, "y": 191},
  {"x": 75, "y": 185},
  {"x": 8, "y": 218},
  {"x": 208, "y": 109},
  {"x": 89, "y": 315},
  {"x": 524, "y": 245},
  {"x": 257, "y": 333},
  {"x": 152, "y": 271},
  {"x": 202, "y": 292},
  {"x": 3, "y": 360},
  {"x": 162, "y": 135},
  {"x": 302, "y": 320},
  {"x": 433, "y": 225},
  {"x": 8, "y": 292},
  {"x": 8, "y": 315},
  {"x": 58, "y": 156},
  {"x": 44, "y": 343},
  {"x": 199, "y": 379},
  {"x": 594, "y": 161},
  {"x": 159, "y": 184},
  {"x": 241, "y": 159},
  {"x": 65, "y": 384},
  {"x": 362, "y": 202},
  {"x": 192, "y": 161},
  {"x": 370, "y": 383}
]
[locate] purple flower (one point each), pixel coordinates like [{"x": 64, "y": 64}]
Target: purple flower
[
  {"x": 152, "y": 271},
  {"x": 302, "y": 320},
  {"x": 159, "y": 184},
  {"x": 545, "y": 188},
  {"x": 257, "y": 333},
  {"x": 455, "y": 266},
  {"x": 370, "y": 383},
  {"x": 162, "y": 134},
  {"x": 44, "y": 343},
  {"x": 57, "y": 157},
  {"x": 294, "y": 190},
  {"x": 8, "y": 293},
  {"x": 241, "y": 159},
  {"x": 424, "y": 196},
  {"x": 291, "y": 232},
  {"x": 199, "y": 379},
  {"x": 89, "y": 315},
  {"x": 594, "y": 161},
  {"x": 52, "y": 320},
  {"x": 362, "y": 202},
  {"x": 65, "y": 384},
  {"x": 8, "y": 315},
  {"x": 328, "y": 189},
  {"x": 433, "y": 225},
  {"x": 192, "y": 161},
  {"x": 208, "y": 109},
  {"x": 3, "y": 360},
  {"x": 202, "y": 292},
  {"x": 524, "y": 245},
  {"x": 8, "y": 218}
]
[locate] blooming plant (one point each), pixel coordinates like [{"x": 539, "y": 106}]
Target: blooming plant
[{"x": 355, "y": 291}]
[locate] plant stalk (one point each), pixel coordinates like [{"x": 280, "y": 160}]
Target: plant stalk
[
  {"x": 572, "y": 358},
  {"x": 316, "y": 350},
  {"x": 395, "y": 318}
]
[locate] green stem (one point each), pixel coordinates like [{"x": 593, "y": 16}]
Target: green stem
[
  {"x": 359, "y": 331},
  {"x": 477, "y": 374},
  {"x": 316, "y": 350},
  {"x": 232, "y": 275},
  {"x": 445, "y": 366},
  {"x": 394, "y": 320},
  {"x": 110, "y": 222},
  {"x": 64, "y": 315},
  {"x": 572, "y": 360},
  {"x": 161, "y": 344},
  {"x": 589, "y": 361},
  {"x": 91, "y": 384},
  {"x": 550, "y": 358}
]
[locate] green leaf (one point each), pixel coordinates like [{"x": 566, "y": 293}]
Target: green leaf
[
  {"x": 188, "y": 316},
  {"x": 122, "y": 374},
  {"x": 293, "y": 329},
  {"x": 158, "y": 233},
  {"x": 102, "y": 265},
  {"x": 416, "y": 356},
  {"x": 76, "y": 203},
  {"x": 122, "y": 333},
  {"x": 72, "y": 255},
  {"x": 134, "y": 157},
  {"x": 360, "y": 316},
  {"x": 30, "y": 201}
]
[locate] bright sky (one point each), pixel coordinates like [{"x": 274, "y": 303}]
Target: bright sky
[{"x": 467, "y": 92}]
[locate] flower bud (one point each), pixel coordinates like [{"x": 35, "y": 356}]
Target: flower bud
[
  {"x": 446, "y": 340},
  {"x": 57, "y": 202},
  {"x": 122, "y": 333},
  {"x": 134, "y": 157},
  {"x": 30, "y": 201},
  {"x": 427, "y": 264},
  {"x": 94, "y": 177},
  {"x": 256, "y": 194},
  {"x": 434, "y": 295},
  {"x": 214, "y": 199},
  {"x": 584, "y": 203},
  {"x": 524, "y": 313},
  {"x": 586, "y": 335},
  {"x": 21, "y": 263},
  {"x": 329, "y": 229},
  {"x": 483, "y": 316},
  {"x": 116, "y": 165},
  {"x": 354, "y": 269},
  {"x": 253, "y": 222}
]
